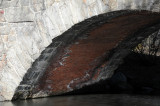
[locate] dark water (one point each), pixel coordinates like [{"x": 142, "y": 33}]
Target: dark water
[{"x": 90, "y": 100}]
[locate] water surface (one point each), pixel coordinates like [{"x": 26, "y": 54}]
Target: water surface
[{"x": 90, "y": 100}]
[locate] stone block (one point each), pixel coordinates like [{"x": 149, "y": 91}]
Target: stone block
[{"x": 19, "y": 14}]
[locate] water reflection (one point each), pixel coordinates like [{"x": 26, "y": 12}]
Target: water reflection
[{"x": 90, "y": 100}]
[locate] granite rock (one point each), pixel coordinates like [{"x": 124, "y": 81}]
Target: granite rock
[{"x": 28, "y": 27}]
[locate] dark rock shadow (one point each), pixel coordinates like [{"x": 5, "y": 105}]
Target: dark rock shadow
[{"x": 139, "y": 74}]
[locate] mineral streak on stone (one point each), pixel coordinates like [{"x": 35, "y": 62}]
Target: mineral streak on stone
[{"x": 88, "y": 56}]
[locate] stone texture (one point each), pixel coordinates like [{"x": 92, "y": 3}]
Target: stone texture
[
  {"x": 83, "y": 55},
  {"x": 150, "y": 45},
  {"x": 28, "y": 26},
  {"x": 19, "y": 14}
]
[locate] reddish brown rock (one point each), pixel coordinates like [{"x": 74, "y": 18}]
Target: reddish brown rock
[
  {"x": 87, "y": 53},
  {"x": 76, "y": 63}
]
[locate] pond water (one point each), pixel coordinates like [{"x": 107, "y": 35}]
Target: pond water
[{"x": 90, "y": 100}]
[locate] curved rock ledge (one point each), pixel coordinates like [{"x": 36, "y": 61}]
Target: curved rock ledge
[
  {"x": 88, "y": 52},
  {"x": 27, "y": 27}
]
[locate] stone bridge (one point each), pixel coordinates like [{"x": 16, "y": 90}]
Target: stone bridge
[{"x": 51, "y": 47}]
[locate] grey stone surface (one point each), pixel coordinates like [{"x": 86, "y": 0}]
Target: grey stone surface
[
  {"x": 19, "y": 14},
  {"x": 27, "y": 27}
]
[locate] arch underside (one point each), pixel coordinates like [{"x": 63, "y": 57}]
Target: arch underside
[{"x": 88, "y": 52}]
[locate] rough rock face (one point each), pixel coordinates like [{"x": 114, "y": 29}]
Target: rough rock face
[
  {"x": 27, "y": 27},
  {"x": 87, "y": 53},
  {"x": 150, "y": 45}
]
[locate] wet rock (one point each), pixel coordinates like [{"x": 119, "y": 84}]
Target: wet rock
[{"x": 83, "y": 58}]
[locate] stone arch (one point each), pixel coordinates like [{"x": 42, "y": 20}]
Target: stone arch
[
  {"x": 58, "y": 68},
  {"x": 28, "y": 27}
]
